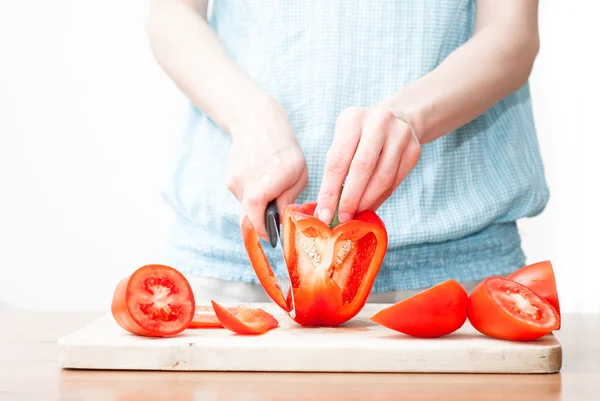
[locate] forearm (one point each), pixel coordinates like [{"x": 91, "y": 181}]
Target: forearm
[
  {"x": 190, "y": 52},
  {"x": 495, "y": 62}
]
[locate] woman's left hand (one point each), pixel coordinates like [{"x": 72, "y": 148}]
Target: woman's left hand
[{"x": 373, "y": 150}]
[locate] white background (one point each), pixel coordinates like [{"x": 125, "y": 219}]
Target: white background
[{"x": 88, "y": 122}]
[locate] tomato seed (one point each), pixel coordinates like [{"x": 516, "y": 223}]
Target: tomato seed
[
  {"x": 169, "y": 313},
  {"x": 151, "y": 285}
]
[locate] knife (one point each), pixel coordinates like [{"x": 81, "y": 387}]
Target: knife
[{"x": 272, "y": 225}]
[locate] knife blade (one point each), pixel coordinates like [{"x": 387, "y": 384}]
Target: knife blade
[{"x": 272, "y": 225}]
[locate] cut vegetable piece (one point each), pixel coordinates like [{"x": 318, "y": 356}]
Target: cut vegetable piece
[
  {"x": 120, "y": 312},
  {"x": 434, "y": 312},
  {"x": 205, "y": 317},
  {"x": 539, "y": 278},
  {"x": 504, "y": 309},
  {"x": 156, "y": 300},
  {"x": 332, "y": 269},
  {"x": 245, "y": 320},
  {"x": 261, "y": 266}
]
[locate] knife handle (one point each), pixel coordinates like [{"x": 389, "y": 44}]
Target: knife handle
[{"x": 272, "y": 222}]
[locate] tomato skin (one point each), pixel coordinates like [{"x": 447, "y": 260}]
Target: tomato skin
[
  {"x": 155, "y": 301},
  {"x": 494, "y": 318},
  {"x": 435, "y": 312},
  {"x": 245, "y": 321},
  {"x": 120, "y": 312},
  {"x": 539, "y": 277}
]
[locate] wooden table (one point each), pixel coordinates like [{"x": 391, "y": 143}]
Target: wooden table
[{"x": 28, "y": 372}]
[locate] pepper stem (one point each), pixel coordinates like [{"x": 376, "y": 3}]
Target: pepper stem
[{"x": 336, "y": 218}]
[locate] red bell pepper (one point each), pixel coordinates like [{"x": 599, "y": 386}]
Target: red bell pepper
[
  {"x": 332, "y": 268},
  {"x": 206, "y": 318}
]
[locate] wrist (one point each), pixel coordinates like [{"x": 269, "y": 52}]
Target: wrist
[
  {"x": 407, "y": 114},
  {"x": 257, "y": 108}
]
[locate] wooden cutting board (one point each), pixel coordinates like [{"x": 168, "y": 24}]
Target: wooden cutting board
[{"x": 358, "y": 346}]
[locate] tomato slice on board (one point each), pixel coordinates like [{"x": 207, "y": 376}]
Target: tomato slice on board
[
  {"x": 504, "y": 309},
  {"x": 120, "y": 312},
  {"x": 205, "y": 317},
  {"x": 156, "y": 300},
  {"x": 332, "y": 269},
  {"x": 539, "y": 278},
  {"x": 245, "y": 320},
  {"x": 434, "y": 312}
]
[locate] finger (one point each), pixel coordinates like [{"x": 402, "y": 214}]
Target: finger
[
  {"x": 233, "y": 189},
  {"x": 232, "y": 183},
  {"x": 254, "y": 204},
  {"x": 268, "y": 187},
  {"x": 408, "y": 160},
  {"x": 290, "y": 196},
  {"x": 364, "y": 162},
  {"x": 383, "y": 179},
  {"x": 340, "y": 154}
]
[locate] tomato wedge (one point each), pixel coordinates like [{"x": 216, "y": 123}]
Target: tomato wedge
[
  {"x": 245, "y": 320},
  {"x": 504, "y": 309},
  {"x": 539, "y": 278},
  {"x": 332, "y": 268},
  {"x": 434, "y": 312},
  {"x": 205, "y": 317},
  {"x": 156, "y": 300}
]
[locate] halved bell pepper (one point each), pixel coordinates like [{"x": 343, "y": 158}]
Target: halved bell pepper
[{"x": 332, "y": 269}]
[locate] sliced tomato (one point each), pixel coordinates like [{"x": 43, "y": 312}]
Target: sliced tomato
[
  {"x": 205, "y": 317},
  {"x": 245, "y": 320},
  {"x": 504, "y": 309},
  {"x": 434, "y": 312},
  {"x": 120, "y": 312},
  {"x": 539, "y": 278},
  {"x": 156, "y": 300}
]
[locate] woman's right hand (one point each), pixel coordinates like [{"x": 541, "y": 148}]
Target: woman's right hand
[{"x": 266, "y": 162}]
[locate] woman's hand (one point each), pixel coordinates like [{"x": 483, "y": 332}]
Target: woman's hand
[
  {"x": 265, "y": 163},
  {"x": 373, "y": 150}
]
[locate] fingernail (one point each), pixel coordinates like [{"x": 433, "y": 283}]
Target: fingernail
[
  {"x": 345, "y": 216},
  {"x": 325, "y": 215}
]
